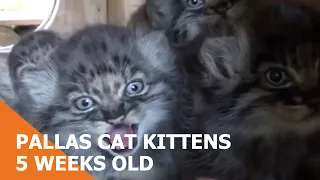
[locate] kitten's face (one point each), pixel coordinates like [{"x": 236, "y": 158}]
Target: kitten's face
[
  {"x": 111, "y": 84},
  {"x": 284, "y": 91},
  {"x": 283, "y": 88},
  {"x": 198, "y": 17}
]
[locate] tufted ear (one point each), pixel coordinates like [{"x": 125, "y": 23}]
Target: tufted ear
[
  {"x": 32, "y": 72},
  {"x": 156, "y": 49}
]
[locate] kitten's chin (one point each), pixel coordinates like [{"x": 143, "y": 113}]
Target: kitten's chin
[{"x": 125, "y": 133}]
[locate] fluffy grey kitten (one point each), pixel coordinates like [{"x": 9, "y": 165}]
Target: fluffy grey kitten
[
  {"x": 207, "y": 38},
  {"x": 102, "y": 80},
  {"x": 185, "y": 20}
]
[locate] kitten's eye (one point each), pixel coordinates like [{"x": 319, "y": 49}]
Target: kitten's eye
[
  {"x": 195, "y": 3},
  {"x": 277, "y": 77},
  {"x": 84, "y": 103},
  {"x": 135, "y": 87}
]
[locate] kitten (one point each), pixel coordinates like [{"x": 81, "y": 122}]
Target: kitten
[
  {"x": 184, "y": 19},
  {"x": 275, "y": 105},
  {"x": 188, "y": 25},
  {"x": 104, "y": 80}
]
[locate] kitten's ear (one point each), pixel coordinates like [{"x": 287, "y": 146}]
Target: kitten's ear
[
  {"x": 156, "y": 49},
  {"x": 32, "y": 71}
]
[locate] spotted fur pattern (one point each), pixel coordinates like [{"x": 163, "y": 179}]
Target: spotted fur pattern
[
  {"x": 31, "y": 73},
  {"x": 98, "y": 63}
]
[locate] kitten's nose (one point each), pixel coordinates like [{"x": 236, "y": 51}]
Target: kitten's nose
[
  {"x": 115, "y": 113},
  {"x": 118, "y": 111}
]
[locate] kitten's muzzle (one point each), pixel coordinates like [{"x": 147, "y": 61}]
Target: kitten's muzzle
[
  {"x": 122, "y": 130},
  {"x": 113, "y": 114},
  {"x": 312, "y": 99},
  {"x": 314, "y": 104}
]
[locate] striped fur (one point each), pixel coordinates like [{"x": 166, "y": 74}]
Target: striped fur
[
  {"x": 273, "y": 107},
  {"x": 98, "y": 64}
]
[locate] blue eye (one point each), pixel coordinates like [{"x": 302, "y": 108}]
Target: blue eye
[
  {"x": 195, "y": 3},
  {"x": 84, "y": 103},
  {"x": 135, "y": 87}
]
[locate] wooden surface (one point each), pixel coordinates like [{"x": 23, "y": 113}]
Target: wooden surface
[
  {"x": 116, "y": 12},
  {"x": 119, "y": 11},
  {"x": 74, "y": 14}
]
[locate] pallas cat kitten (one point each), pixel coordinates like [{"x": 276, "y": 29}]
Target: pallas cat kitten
[
  {"x": 274, "y": 106},
  {"x": 102, "y": 80}
]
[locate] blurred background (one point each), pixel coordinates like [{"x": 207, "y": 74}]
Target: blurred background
[{"x": 18, "y": 17}]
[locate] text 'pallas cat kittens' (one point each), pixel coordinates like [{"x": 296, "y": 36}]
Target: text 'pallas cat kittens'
[{"x": 102, "y": 80}]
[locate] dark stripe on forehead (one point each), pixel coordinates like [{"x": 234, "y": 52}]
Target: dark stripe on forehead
[
  {"x": 96, "y": 91},
  {"x": 106, "y": 89},
  {"x": 71, "y": 88},
  {"x": 104, "y": 46},
  {"x": 92, "y": 74},
  {"x": 110, "y": 70},
  {"x": 117, "y": 85},
  {"x": 299, "y": 55},
  {"x": 89, "y": 48},
  {"x": 116, "y": 59},
  {"x": 102, "y": 68},
  {"x": 82, "y": 68},
  {"x": 120, "y": 61},
  {"x": 126, "y": 60}
]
